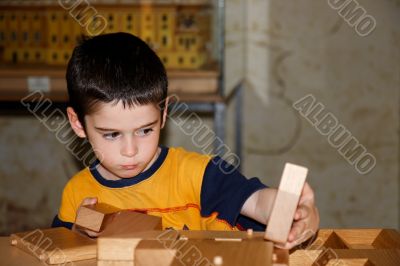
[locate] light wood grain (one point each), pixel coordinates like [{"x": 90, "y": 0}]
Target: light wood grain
[
  {"x": 387, "y": 257},
  {"x": 95, "y": 217},
  {"x": 13, "y": 256},
  {"x": 116, "y": 263},
  {"x": 56, "y": 245},
  {"x": 287, "y": 198},
  {"x": 13, "y": 82},
  {"x": 368, "y": 246},
  {"x": 370, "y": 238},
  {"x": 220, "y": 235},
  {"x": 125, "y": 222},
  {"x": 203, "y": 252},
  {"x": 153, "y": 252},
  {"x": 349, "y": 262},
  {"x": 232, "y": 253},
  {"x": 121, "y": 246},
  {"x": 350, "y": 247}
]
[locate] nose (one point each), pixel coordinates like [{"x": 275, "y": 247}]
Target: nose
[{"x": 129, "y": 148}]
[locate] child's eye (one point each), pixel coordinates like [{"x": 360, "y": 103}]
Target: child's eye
[
  {"x": 111, "y": 136},
  {"x": 144, "y": 132}
]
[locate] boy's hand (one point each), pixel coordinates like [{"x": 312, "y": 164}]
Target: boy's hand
[
  {"x": 86, "y": 201},
  {"x": 306, "y": 219}
]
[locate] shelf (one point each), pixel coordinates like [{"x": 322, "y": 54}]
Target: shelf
[{"x": 189, "y": 86}]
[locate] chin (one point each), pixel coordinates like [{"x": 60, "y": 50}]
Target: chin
[{"x": 129, "y": 174}]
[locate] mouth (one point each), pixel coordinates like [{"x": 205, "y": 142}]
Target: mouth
[{"x": 129, "y": 166}]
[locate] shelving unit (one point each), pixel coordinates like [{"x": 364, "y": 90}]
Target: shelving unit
[{"x": 204, "y": 91}]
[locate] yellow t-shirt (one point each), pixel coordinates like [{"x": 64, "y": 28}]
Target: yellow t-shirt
[{"x": 188, "y": 190}]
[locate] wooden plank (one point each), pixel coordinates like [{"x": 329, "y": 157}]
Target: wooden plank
[
  {"x": 95, "y": 217},
  {"x": 56, "y": 245},
  {"x": 287, "y": 198},
  {"x": 199, "y": 85}
]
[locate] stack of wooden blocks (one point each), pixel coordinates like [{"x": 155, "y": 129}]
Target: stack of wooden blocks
[{"x": 128, "y": 238}]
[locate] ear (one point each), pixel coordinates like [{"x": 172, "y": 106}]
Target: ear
[
  {"x": 165, "y": 111},
  {"x": 75, "y": 123}
]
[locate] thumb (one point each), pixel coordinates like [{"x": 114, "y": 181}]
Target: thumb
[{"x": 89, "y": 201}]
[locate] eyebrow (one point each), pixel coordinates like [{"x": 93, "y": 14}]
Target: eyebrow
[{"x": 111, "y": 129}]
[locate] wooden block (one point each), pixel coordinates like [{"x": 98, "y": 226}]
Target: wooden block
[
  {"x": 125, "y": 222},
  {"x": 387, "y": 238},
  {"x": 280, "y": 257},
  {"x": 285, "y": 204},
  {"x": 220, "y": 235},
  {"x": 166, "y": 248},
  {"x": 387, "y": 257},
  {"x": 203, "y": 252},
  {"x": 95, "y": 217},
  {"x": 335, "y": 242},
  {"x": 304, "y": 257},
  {"x": 122, "y": 246},
  {"x": 319, "y": 240},
  {"x": 121, "y": 249},
  {"x": 115, "y": 263},
  {"x": 369, "y": 238},
  {"x": 153, "y": 252},
  {"x": 56, "y": 245}
]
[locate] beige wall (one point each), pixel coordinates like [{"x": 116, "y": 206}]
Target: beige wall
[
  {"x": 300, "y": 47},
  {"x": 33, "y": 170}
]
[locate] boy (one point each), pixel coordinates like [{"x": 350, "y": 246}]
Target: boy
[{"x": 115, "y": 84}]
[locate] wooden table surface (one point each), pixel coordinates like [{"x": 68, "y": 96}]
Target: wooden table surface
[
  {"x": 11, "y": 256},
  {"x": 346, "y": 246}
]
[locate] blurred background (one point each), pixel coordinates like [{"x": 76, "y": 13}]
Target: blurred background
[{"x": 244, "y": 67}]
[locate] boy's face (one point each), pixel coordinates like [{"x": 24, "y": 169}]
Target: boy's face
[{"x": 125, "y": 140}]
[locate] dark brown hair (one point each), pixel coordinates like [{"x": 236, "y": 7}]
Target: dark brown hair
[{"x": 111, "y": 68}]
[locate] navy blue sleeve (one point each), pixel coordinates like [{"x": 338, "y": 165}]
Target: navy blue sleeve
[
  {"x": 57, "y": 222},
  {"x": 224, "y": 190},
  {"x": 244, "y": 222}
]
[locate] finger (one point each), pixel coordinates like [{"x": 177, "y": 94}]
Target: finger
[
  {"x": 297, "y": 229},
  {"x": 302, "y": 212},
  {"x": 287, "y": 245},
  {"x": 83, "y": 231},
  {"x": 91, "y": 233},
  {"x": 281, "y": 246},
  {"x": 307, "y": 194},
  {"x": 89, "y": 201}
]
